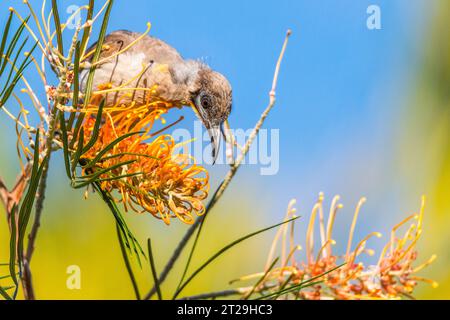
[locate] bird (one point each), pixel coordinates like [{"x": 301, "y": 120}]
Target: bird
[{"x": 183, "y": 82}]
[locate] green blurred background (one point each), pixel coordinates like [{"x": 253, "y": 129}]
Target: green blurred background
[{"x": 360, "y": 113}]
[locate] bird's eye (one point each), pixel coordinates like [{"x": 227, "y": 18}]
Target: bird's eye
[{"x": 205, "y": 101}]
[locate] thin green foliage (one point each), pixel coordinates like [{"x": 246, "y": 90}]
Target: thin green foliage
[
  {"x": 304, "y": 284},
  {"x": 223, "y": 250},
  {"x": 197, "y": 235},
  {"x": 77, "y": 155},
  {"x": 114, "y": 177},
  {"x": 87, "y": 180},
  {"x": 96, "y": 129},
  {"x": 108, "y": 147},
  {"x": 98, "y": 50},
  {"x": 5, "y": 36},
  {"x": 153, "y": 269},
  {"x": 129, "y": 239},
  {"x": 27, "y": 205},
  {"x": 129, "y": 154},
  {"x": 261, "y": 279},
  {"x": 127, "y": 262},
  {"x": 59, "y": 37},
  {"x": 284, "y": 285},
  {"x": 90, "y": 80},
  {"x": 88, "y": 29},
  {"x": 12, "y": 246},
  {"x": 65, "y": 141},
  {"x": 76, "y": 88},
  {"x": 5, "y": 294},
  {"x": 5, "y": 59},
  {"x": 12, "y": 44}
]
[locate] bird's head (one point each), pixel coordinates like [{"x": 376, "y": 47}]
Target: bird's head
[{"x": 212, "y": 102}]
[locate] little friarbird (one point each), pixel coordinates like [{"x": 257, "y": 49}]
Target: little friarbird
[{"x": 176, "y": 80}]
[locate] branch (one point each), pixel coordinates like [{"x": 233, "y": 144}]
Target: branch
[
  {"x": 13, "y": 197},
  {"x": 225, "y": 183},
  {"x": 40, "y": 197},
  {"x": 217, "y": 294}
]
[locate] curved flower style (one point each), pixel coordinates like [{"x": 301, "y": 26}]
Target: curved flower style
[
  {"x": 325, "y": 275},
  {"x": 147, "y": 174}
]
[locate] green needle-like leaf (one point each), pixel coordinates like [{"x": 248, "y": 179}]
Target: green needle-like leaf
[
  {"x": 11, "y": 71},
  {"x": 76, "y": 88},
  {"x": 302, "y": 285},
  {"x": 12, "y": 246},
  {"x": 27, "y": 205},
  {"x": 4, "y": 294},
  {"x": 77, "y": 155},
  {"x": 153, "y": 268},
  {"x": 59, "y": 37},
  {"x": 5, "y": 59},
  {"x": 25, "y": 210},
  {"x": 121, "y": 222},
  {"x": 9, "y": 87},
  {"x": 93, "y": 178},
  {"x": 12, "y": 44},
  {"x": 62, "y": 123},
  {"x": 127, "y": 262},
  {"x": 260, "y": 280},
  {"x": 96, "y": 129},
  {"x": 223, "y": 250},
  {"x": 98, "y": 50},
  {"x": 129, "y": 154},
  {"x": 112, "y": 178},
  {"x": 87, "y": 30},
  {"x": 5, "y": 36},
  {"x": 111, "y": 145}
]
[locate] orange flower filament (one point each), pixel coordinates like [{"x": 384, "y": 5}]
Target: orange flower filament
[
  {"x": 153, "y": 179},
  {"x": 341, "y": 276}
]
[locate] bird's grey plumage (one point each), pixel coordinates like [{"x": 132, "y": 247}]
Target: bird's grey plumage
[{"x": 151, "y": 63}]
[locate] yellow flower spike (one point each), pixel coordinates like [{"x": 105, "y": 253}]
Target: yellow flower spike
[
  {"x": 322, "y": 249},
  {"x": 425, "y": 264},
  {"x": 361, "y": 244},
  {"x": 391, "y": 278},
  {"x": 322, "y": 221},
  {"x": 421, "y": 212},
  {"x": 333, "y": 211},
  {"x": 352, "y": 228},
  {"x": 396, "y": 227},
  {"x": 158, "y": 182},
  {"x": 289, "y": 212},
  {"x": 310, "y": 233}
]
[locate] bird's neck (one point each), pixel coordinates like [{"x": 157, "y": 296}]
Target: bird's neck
[
  {"x": 188, "y": 73},
  {"x": 186, "y": 79}
]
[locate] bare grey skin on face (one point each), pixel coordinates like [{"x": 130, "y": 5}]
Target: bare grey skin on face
[{"x": 179, "y": 81}]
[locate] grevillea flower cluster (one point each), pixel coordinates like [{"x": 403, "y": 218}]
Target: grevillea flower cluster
[
  {"x": 325, "y": 275},
  {"x": 153, "y": 178}
]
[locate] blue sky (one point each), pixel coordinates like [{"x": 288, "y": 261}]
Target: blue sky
[{"x": 341, "y": 90}]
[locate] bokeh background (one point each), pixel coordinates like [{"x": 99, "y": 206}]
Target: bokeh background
[{"x": 360, "y": 112}]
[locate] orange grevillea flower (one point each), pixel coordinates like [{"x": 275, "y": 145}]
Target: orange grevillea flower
[
  {"x": 153, "y": 178},
  {"x": 334, "y": 276}
]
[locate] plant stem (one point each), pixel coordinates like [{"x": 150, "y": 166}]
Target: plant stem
[
  {"x": 225, "y": 183},
  {"x": 27, "y": 283},
  {"x": 127, "y": 263},
  {"x": 40, "y": 196},
  {"x": 217, "y": 294}
]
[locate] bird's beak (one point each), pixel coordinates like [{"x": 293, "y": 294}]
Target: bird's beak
[{"x": 215, "y": 133}]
